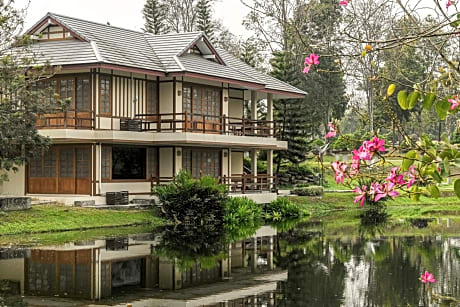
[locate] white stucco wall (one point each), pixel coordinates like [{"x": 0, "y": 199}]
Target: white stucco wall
[
  {"x": 237, "y": 162},
  {"x": 166, "y": 161},
  {"x": 15, "y": 184},
  {"x": 166, "y": 97}
]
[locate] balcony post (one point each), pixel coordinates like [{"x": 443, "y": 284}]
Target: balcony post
[{"x": 270, "y": 114}]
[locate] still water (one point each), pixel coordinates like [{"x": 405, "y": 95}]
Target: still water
[{"x": 302, "y": 265}]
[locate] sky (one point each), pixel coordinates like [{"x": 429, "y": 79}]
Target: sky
[{"x": 122, "y": 13}]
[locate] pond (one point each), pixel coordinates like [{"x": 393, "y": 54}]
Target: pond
[{"x": 306, "y": 263}]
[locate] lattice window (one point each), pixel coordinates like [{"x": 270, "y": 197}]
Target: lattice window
[
  {"x": 105, "y": 97},
  {"x": 49, "y": 164},
  {"x": 83, "y": 95},
  {"x": 106, "y": 158}
]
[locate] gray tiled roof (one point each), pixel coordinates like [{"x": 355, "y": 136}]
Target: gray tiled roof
[{"x": 163, "y": 53}]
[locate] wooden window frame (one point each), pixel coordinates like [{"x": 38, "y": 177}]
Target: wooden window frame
[
  {"x": 109, "y": 78},
  {"x": 203, "y": 151},
  {"x": 156, "y": 98},
  {"x": 204, "y": 88},
  {"x": 147, "y": 175}
]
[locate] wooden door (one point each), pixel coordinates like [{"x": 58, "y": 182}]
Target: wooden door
[
  {"x": 66, "y": 179},
  {"x": 83, "y": 170},
  {"x": 203, "y": 106}
]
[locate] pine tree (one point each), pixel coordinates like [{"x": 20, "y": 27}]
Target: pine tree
[
  {"x": 204, "y": 21},
  {"x": 289, "y": 114},
  {"x": 154, "y": 14}
]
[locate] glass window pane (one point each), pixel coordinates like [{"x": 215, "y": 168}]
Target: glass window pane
[
  {"x": 105, "y": 101},
  {"x": 106, "y": 153},
  {"x": 152, "y": 101},
  {"x": 82, "y": 163},
  {"x": 35, "y": 167},
  {"x": 153, "y": 162},
  {"x": 83, "y": 95},
  {"x": 49, "y": 164},
  {"x": 66, "y": 163}
]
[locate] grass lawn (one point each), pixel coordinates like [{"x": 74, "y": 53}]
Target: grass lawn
[
  {"x": 53, "y": 218},
  {"x": 401, "y": 207}
]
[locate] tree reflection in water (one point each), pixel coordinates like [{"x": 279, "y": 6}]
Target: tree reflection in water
[{"x": 368, "y": 270}]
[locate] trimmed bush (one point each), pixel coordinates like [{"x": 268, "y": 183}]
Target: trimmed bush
[
  {"x": 191, "y": 200},
  {"x": 313, "y": 190},
  {"x": 281, "y": 208}
]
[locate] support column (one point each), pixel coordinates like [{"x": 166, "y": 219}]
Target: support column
[
  {"x": 270, "y": 253},
  {"x": 270, "y": 166},
  {"x": 270, "y": 112},
  {"x": 254, "y": 162},
  {"x": 254, "y": 105}
]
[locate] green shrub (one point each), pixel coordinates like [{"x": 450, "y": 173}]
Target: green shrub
[
  {"x": 241, "y": 211},
  {"x": 281, "y": 208},
  {"x": 192, "y": 200},
  {"x": 242, "y": 218},
  {"x": 313, "y": 190}
]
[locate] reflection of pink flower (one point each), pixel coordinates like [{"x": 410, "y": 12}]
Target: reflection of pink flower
[
  {"x": 332, "y": 131},
  {"x": 427, "y": 277},
  {"x": 362, "y": 195},
  {"x": 343, "y": 3},
  {"x": 339, "y": 169},
  {"x": 455, "y": 102}
]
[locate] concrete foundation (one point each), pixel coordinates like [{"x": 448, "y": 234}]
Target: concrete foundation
[{"x": 12, "y": 203}]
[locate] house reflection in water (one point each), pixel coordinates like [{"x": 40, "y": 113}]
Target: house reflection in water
[{"x": 101, "y": 268}]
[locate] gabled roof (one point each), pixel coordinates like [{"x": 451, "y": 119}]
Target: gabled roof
[{"x": 167, "y": 54}]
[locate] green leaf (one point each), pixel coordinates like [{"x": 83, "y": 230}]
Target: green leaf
[
  {"x": 434, "y": 191},
  {"x": 445, "y": 169},
  {"x": 413, "y": 98},
  {"x": 408, "y": 160},
  {"x": 428, "y": 101},
  {"x": 391, "y": 89},
  {"x": 436, "y": 176},
  {"x": 457, "y": 187},
  {"x": 415, "y": 195},
  {"x": 442, "y": 107},
  {"x": 402, "y": 100}
]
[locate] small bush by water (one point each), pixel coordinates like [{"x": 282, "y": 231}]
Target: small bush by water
[
  {"x": 313, "y": 190},
  {"x": 282, "y": 208}
]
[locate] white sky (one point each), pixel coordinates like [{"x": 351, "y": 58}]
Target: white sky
[{"x": 121, "y": 13}]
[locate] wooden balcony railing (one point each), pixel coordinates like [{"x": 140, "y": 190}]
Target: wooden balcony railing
[
  {"x": 247, "y": 183},
  {"x": 65, "y": 120},
  {"x": 241, "y": 183},
  {"x": 213, "y": 124}
]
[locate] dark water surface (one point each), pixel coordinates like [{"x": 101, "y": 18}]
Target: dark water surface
[{"x": 308, "y": 264}]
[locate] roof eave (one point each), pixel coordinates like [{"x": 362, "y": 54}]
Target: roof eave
[{"x": 256, "y": 86}]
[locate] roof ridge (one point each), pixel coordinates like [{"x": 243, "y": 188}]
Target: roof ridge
[{"x": 94, "y": 22}]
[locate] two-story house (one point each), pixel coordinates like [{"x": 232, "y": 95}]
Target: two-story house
[{"x": 144, "y": 107}]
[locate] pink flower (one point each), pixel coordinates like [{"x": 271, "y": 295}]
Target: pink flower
[
  {"x": 332, "y": 131},
  {"x": 455, "y": 102},
  {"x": 354, "y": 167},
  {"x": 313, "y": 59},
  {"x": 375, "y": 144},
  {"x": 427, "y": 277},
  {"x": 375, "y": 189},
  {"x": 411, "y": 174},
  {"x": 386, "y": 190},
  {"x": 343, "y": 3},
  {"x": 395, "y": 177},
  {"x": 339, "y": 169},
  {"x": 362, "y": 154},
  {"x": 449, "y": 3},
  {"x": 362, "y": 195}
]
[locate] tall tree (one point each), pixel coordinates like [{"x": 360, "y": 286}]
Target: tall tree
[
  {"x": 289, "y": 113},
  {"x": 181, "y": 15},
  {"x": 21, "y": 99},
  {"x": 204, "y": 21},
  {"x": 154, "y": 13}
]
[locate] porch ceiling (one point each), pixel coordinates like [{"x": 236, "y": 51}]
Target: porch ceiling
[{"x": 152, "y": 138}]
